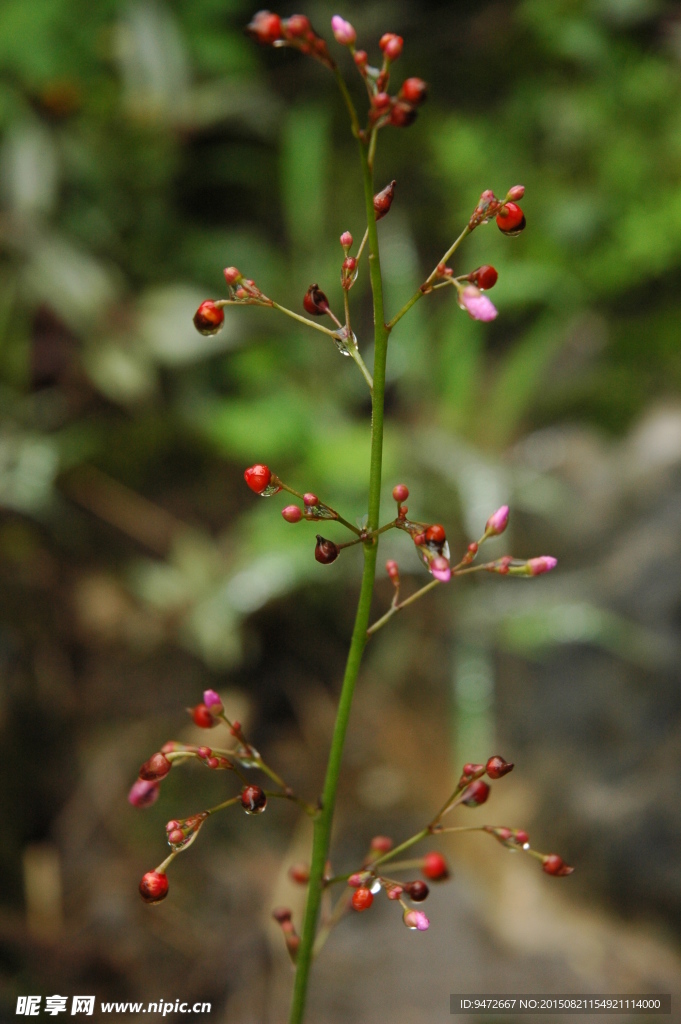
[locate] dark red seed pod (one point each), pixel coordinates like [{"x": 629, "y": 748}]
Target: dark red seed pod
[
  {"x": 157, "y": 767},
  {"x": 209, "y": 318},
  {"x": 253, "y": 799},
  {"x": 403, "y": 114},
  {"x": 362, "y": 899},
  {"x": 315, "y": 301},
  {"x": 265, "y": 28},
  {"x": 435, "y": 867},
  {"x": 258, "y": 477},
  {"x": 202, "y": 717},
  {"x": 325, "y": 551},
  {"x": 469, "y": 770},
  {"x": 414, "y": 91},
  {"x": 436, "y": 534},
  {"x": 400, "y": 492},
  {"x": 476, "y": 793},
  {"x": 511, "y": 219},
  {"x": 154, "y": 886},
  {"x": 555, "y": 865},
  {"x": 417, "y": 891},
  {"x": 383, "y": 200},
  {"x": 484, "y": 277},
  {"x": 497, "y": 767}
]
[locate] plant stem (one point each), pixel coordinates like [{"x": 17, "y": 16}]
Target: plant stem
[
  {"x": 324, "y": 821},
  {"x": 394, "y": 608}
]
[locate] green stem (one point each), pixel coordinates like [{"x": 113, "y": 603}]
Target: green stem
[
  {"x": 431, "y": 277},
  {"x": 394, "y": 608},
  {"x": 324, "y": 821}
]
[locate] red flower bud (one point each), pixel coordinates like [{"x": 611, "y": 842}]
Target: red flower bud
[
  {"x": 299, "y": 873},
  {"x": 436, "y": 534},
  {"x": 380, "y": 101},
  {"x": 253, "y": 799},
  {"x": 403, "y": 114},
  {"x": 484, "y": 277},
  {"x": 143, "y": 793},
  {"x": 203, "y": 717},
  {"x": 414, "y": 90},
  {"x": 315, "y": 301},
  {"x": 232, "y": 275},
  {"x": 381, "y": 844},
  {"x": 362, "y": 899},
  {"x": 400, "y": 492},
  {"x": 435, "y": 867},
  {"x": 310, "y": 499},
  {"x": 476, "y": 793},
  {"x": 265, "y": 28},
  {"x": 417, "y": 891},
  {"x": 325, "y": 551},
  {"x": 258, "y": 477},
  {"x": 472, "y": 771},
  {"x": 392, "y": 570},
  {"x": 555, "y": 865},
  {"x": 391, "y": 45},
  {"x": 209, "y": 318},
  {"x": 517, "y": 192},
  {"x": 497, "y": 767},
  {"x": 383, "y": 200},
  {"x": 157, "y": 767},
  {"x": 154, "y": 886},
  {"x": 511, "y": 219},
  {"x": 292, "y": 514},
  {"x": 282, "y": 914},
  {"x": 361, "y": 57}
]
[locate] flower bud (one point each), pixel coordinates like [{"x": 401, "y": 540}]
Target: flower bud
[
  {"x": 544, "y": 563},
  {"x": 383, "y": 200},
  {"x": 362, "y": 899},
  {"x": 282, "y": 915},
  {"x": 258, "y": 477},
  {"x": 203, "y": 716},
  {"x": 299, "y": 873},
  {"x": 315, "y": 301},
  {"x": 361, "y": 57},
  {"x": 393, "y": 891},
  {"x": 209, "y": 318},
  {"x": 441, "y": 569},
  {"x": 157, "y": 767},
  {"x": 517, "y": 192},
  {"x": 391, "y": 45},
  {"x": 475, "y": 793},
  {"x": 154, "y": 886},
  {"x": 417, "y": 891},
  {"x": 414, "y": 91},
  {"x": 380, "y": 101},
  {"x": 181, "y": 834},
  {"x": 477, "y": 305},
  {"x": 144, "y": 793},
  {"x": 343, "y": 31},
  {"x": 265, "y": 28},
  {"x": 392, "y": 570},
  {"x": 310, "y": 499},
  {"x": 354, "y": 881},
  {"x": 381, "y": 844},
  {"x": 497, "y": 767},
  {"x": 472, "y": 771},
  {"x": 346, "y": 239},
  {"x": 416, "y": 920},
  {"x": 292, "y": 514},
  {"x": 400, "y": 492},
  {"x": 511, "y": 219},
  {"x": 213, "y": 702},
  {"x": 555, "y": 865},
  {"x": 253, "y": 799},
  {"x": 435, "y": 867},
  {"x": 497, "y": 522},
  {"x": 232, "y": 275},
  {"x": 402, "y": 114},
  {"x": 325, "y": 551}
]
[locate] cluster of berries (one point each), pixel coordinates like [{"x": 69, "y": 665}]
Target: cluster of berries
[{"x": 269, "y": 29}]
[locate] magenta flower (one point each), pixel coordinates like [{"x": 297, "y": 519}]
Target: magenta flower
[
  {"x": 343, "y": 31},
  {"x": 416, "y": 920},
  {"x": 212, "y": 701},
  {"x": 497, "y": 522},
  {"x": 439, "y": 568},
  {"x": 476, "y": 304},
  {"x": 143, "y": 793},
  {"x": 544, "y": 563}
]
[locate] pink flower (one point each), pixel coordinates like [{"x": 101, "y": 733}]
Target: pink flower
[
  {"x": 143, "y": 793},
  {"x": 439, "y": 568},
  {"x": 416, "y": 920},
  {"x": 343, "y": 31},
  {"x": 476, "y": 304},
  {"x": 497, "y": 522},
  {"x": 212, "y": 701},
  {"x": 544, "y": 563}
]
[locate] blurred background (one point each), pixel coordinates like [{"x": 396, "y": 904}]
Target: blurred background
[{"x": 143, "y": 147}]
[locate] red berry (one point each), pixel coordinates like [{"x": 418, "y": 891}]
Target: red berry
[
  {"x": 253, "y": 799},
  {"x": 417, "y": 891},
  {"x": 157, "y": 767},
  {"x": 154, "y": 887},
  {"x": 555, "y": 865},
  {"x": 521, "y": 836},
  {"x": 391, "y": 45},
  {"x": 497, "y": 767},
  {"x": 325, "y": 551},
  {"x": 209, "y": 318},
  {"x": 265, "y": 28},
  {"x": 436, "y": 534},
  {"x": 414, "y": 90},
  {"x": 315, "y": 301},
  {"x": 400, "y": 492},
  {"x": 484, "y": 277},
  {"x": 310, "y": 499},
  {"x": 258, "y": 477},
  {"x": 383, "y": 200},
  {"x": 476, "y": 793},
  {"x": 297, "y": 26},
  {"x": 202, "y": 717},
  {"x": 362, "y": 899},
  {"x": 511, "y": 219},
  {"x": 380, "y": 101},
  {"x": 292, "y": 514},
  {"x": 212, "y": 762},
  {"x": 435, "y": 867},
  {"x": 403, "y": 114},
  {"x": 232, "y": 275}
]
